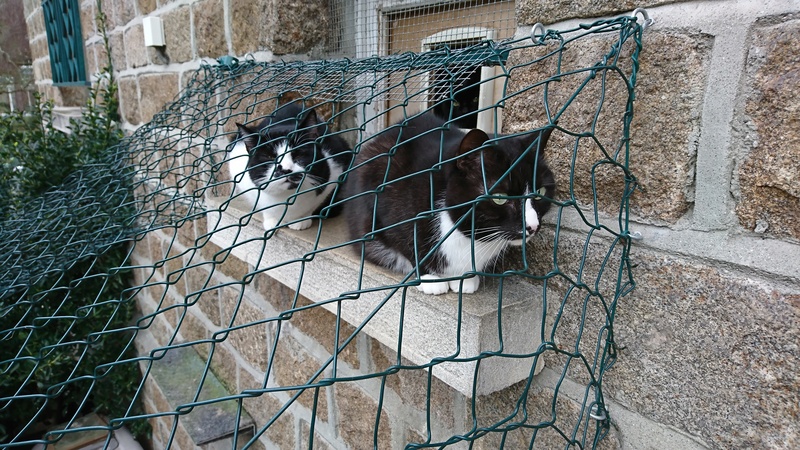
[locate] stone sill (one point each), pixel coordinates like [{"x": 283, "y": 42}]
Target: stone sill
[
  {"x": 62, "y": 115},
  {"x": 332, "y": 275}
]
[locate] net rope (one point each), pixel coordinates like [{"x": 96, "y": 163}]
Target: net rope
[{"x": 163, "y": 205}]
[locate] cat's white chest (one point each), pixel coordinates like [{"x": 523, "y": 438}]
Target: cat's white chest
[
  {"x": 277, "y": 199},
  {"x": 237, "y": 166},
  {"x": 459, "y": 250}
]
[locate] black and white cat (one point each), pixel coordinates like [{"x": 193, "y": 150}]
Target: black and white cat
[
  {"x": 288, "y": 166},
  {"x": 425, "y": 183}
]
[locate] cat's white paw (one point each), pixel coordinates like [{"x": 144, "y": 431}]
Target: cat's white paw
[
  {"x": 302, "y": 225},
  {"x": 270, "y": 222},
  {"x": 433, "y": 288},
  {"x": 469, "y": 286}
]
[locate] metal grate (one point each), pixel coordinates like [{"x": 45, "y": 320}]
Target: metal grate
[{"x": 368, "y": 28}]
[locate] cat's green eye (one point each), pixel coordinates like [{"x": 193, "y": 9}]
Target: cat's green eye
[
  {"x": 541, "y": 192},
  {"x": 500, "y": 201}
]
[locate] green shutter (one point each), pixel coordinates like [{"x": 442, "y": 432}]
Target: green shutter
[{"x": 62, "y": 20}]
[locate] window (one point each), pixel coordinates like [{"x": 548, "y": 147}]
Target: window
[
  {"x": 475, "y": 90},
  {"x": 466, "y": 92},
  {"x": 62, "y": 20}
]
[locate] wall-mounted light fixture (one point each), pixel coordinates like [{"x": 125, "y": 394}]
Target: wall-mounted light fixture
[{"x": 153, "y": 32}]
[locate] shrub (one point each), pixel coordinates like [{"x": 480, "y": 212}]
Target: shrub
[{"x": 63, "y": 310}]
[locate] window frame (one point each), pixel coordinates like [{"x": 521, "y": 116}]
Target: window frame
[{"x": 62, "y": 23}]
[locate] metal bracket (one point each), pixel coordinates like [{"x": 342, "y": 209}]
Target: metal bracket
[
  {"x": 538, "y": 33},
  {"x": 646, "y": 20},
  {"x": 598, "y": 414}
]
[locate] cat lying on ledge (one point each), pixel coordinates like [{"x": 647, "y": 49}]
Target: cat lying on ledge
[
  {"x": 288, "y": 166},
  {"x": 449, "y": 200}
]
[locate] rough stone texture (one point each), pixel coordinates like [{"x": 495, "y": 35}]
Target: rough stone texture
[
  {"x": 296, "y": 368},
  {"x": 47, "y": 74},
  {"x": 182, "y": 437},
  {"x": 224, "y": 366},
  {"x": 185, "y": 231},
  {"x": 38, "y": 22},
  {"x": 192, "y": 329},
  {"x": 263, "y": 408},
  {"x": 96, "y": 58},
  {"x": 540, "y": 409},
  {"x": 319, "y": 442},
  {"x": 42, "y": 49},
  {"x": 179, "y": 40},
  {"x": 574, "y": 318},
  {"x": 110, "y": 10},
  {"x": 173, "y": 270},
  {"x": 156, "y": 91},
  {"x": 412, "y": 387},
  {"x": 117, "y": 47},
  {"x": 575, "y": 315},
  {"x": 707, "y": 351},
  {"x": 146, "y": 6},
  {"x": 186, "y": 78},
  {"x": 87, "y": 19},
  {"x": 157, "y": 55},
  {"x": 711, "y": 352},
  {"x": 257, "y": 445},
  {"x": 73, "y": 95},
  {"x": 276, "y": 294},
  {"x": 206, "y": 298},
  {"x": 36, "y": 50},
  {"x": 209, "y": 29},
  {"x": 37, "y": 70},
  {"x": 33, "y": 33},
  {"x": 549, "y": 11},
  {"x": 669, "y": 96},
  {"x": 412, "y": 437},
  {"x": 160, "y": 329},
  {"x": 225, "y": 262},
  {"x": 290, "y": 29},
  {"x": 320, "y": 324},
  {"x": 248, "y": 102},
  {"x": 357, "y": 413},
  {"x": 157, "y": 404},
  {"x": 249, "y": 25},
  {"x": 135, "y": 51},
  {"x": 251, "y": 340},
  {"x": 153, "y": 291},
  {"x": 769, "y": 177},
  {"x": 126, "y": 11}
]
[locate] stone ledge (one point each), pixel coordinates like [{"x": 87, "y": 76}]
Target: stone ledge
[{"x": 377, "y": 299}]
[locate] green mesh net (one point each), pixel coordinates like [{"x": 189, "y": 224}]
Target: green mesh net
[{"x": 203, "y": 300}]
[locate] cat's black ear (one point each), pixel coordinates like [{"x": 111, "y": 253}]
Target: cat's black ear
[
  {"x": 473, "y": 139},
  {"x": 248, "y": 136},
  {"x": 543, "y": 136},
  {"x": 310, "y": 122}
]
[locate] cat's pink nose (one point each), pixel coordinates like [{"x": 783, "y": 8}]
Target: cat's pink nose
[{"x": 531, "y": 230}]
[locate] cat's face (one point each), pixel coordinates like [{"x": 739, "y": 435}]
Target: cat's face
[
  {"x": 283, "y": 155},
  {"x": 503, "y": 171}
]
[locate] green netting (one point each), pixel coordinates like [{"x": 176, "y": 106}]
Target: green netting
[{"x": 163, "y": 203}]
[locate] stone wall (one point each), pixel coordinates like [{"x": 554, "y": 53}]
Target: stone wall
[
  {"x": 710, "y": 335},
  {"x": 196, "y": 32},
  {"x": 345, "y": 412},
  {"x": 709, "y": 338}
]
